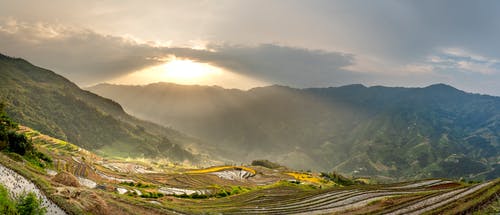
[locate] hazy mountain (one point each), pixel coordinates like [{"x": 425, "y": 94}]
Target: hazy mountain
[
  {"x": 48, "y": 102},
  {"x": 434, "y": 131}
]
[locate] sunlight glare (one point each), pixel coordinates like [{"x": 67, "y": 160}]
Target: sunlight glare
[{"x": 187, "y": 70}]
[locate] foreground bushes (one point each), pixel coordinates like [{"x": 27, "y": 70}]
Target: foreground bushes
[
  {"x": 27, "y": 204},
  {"x": 153, "y": 195}
]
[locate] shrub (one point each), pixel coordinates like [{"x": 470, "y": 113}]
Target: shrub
[
  {"x": 30, "y": 204},
  {"x": 222, "y": 193},
  {"x": 139, "y": 184},
  {"x": 337, "y": 178},
  {"x": 198, "y": 196},
  {"x": 18, "y": 143},
  {"x": 265, "y": 163},
  {"x": 182, "y": 195},
  {"x": 43, "y": 156},
  {"x": 153, "y": 195}
]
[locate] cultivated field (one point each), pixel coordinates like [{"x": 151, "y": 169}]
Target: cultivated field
[{"x": 123, "y": 186}]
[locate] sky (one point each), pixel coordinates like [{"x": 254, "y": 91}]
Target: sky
[{"x": 244, "y": 44}]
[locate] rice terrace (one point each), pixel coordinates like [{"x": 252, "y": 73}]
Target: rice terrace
[{"x": 129, "y": 187}]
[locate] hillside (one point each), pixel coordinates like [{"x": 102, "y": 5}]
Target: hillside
[
  {"x": 72, "y": 180},
  {"x": 393, "y": 133},
  {"x": 48, "y": 102}
]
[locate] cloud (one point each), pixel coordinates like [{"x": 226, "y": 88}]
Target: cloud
[
  {"x": 88, "y": 57},
  {"x": 81, "y": 54},
  {"x": 456, "y": 59},
  {"x": 418, "y": 68}
]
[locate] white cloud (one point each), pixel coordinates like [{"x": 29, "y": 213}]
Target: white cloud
[
  {"x": 477, "y": 67},
  {"x": 418, "y": 68},
  {"x": 464, "y": 61},
  {"x": 457, "y": 52}
]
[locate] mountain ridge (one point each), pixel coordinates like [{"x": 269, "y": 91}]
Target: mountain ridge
[
  {"x": 387, "y": 131},
  {"x": 348, "y": 86}
]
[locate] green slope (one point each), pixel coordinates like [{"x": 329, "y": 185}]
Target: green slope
[{"x": 48, "y": 102}]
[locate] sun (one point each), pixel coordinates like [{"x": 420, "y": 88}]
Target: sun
[
  {"x": 175, "y": 70},
  {"x": 187, "y": 70}
]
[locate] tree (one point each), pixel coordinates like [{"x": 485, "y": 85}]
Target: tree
[
  {"x": 5, "y": 121},
  {"x": 19, "y": 144},
  {"x": 5, "y": 125}
]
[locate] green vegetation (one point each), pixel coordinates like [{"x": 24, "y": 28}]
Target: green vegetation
[
  {"x": 7, "y": 205},
  {"x": 281, "y": 196},
  {"x": 27, "y": 204},
  {"x": 13, "y": 142},
  {"x": 47, "y": 102},
  {"x": 221, "y": 193},
  {"x": 383, "y": 132},
  {"x": 138, "y": 185},
  {"x": 265, "y": 163},
  {"x": 153, "y": 195},
  {"x": 389, "y": 133},
  {"x": 30, "y": 204},
  {"x": 338, "y": 179}
]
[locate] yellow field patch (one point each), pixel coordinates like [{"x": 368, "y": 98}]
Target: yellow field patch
[{"x": 306, "y": 177}]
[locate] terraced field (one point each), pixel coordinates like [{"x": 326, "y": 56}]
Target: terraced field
[
  {"x": 414, "y": 198},
  {"x": 118, "y": 186}
]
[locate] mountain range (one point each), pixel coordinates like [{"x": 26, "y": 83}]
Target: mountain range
[
  {"x": 385, "y": 132},
  {"x": 391, "y": 133}
]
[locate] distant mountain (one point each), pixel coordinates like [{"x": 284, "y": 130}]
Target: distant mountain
[
  {"x": 400, "y": 133},
  {"x": 48, "y": 102}
]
